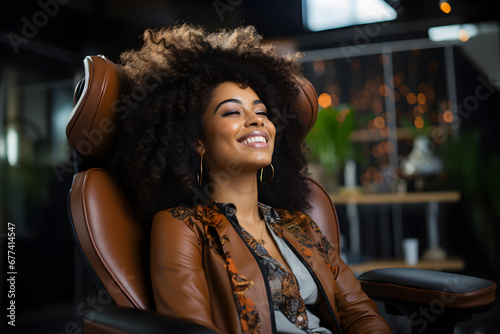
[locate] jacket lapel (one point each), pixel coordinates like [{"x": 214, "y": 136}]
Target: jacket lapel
[
  {"x": 247, "y": 280},
  {"x": 310, "y": 256}
]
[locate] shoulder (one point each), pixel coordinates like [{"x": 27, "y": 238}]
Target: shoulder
[
  {"x": 177, "y": 225},
  {"x": 190, "y": 216},
  {"x": 176, "y": 214},
  {"x": 187, "y": 225},
  {"x": 301, "y": 223}
]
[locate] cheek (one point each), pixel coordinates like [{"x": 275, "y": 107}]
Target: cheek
[
  {"x": 272, "y": 130},
  {"x": 220, "y": 134}
]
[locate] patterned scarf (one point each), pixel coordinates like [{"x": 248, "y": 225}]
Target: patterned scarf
[{"x": 283, "y": 284}]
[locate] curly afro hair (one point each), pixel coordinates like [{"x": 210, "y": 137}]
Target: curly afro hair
[{"x": 172, "y": 76}]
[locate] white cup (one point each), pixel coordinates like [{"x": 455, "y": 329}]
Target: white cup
[{"x": 410, "y": 251}]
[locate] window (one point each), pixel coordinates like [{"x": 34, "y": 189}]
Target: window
[{"x": 330, "y": 14}]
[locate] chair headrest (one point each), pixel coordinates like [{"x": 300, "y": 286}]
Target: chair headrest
[
  {"x": 308, "y": 102},
  {"x": 93, "y": 121}
]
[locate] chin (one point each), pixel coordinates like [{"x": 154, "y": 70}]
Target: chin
[{"x": 258, "y": 162}]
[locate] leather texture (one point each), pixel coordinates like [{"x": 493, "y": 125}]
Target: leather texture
[
  {"x": 115, "y": 246},
  {"x": 96, "y": 327},
  {"x": 308, "y": 102},
  {"x": 111, "y": 238},
  {"x": 323, "y": 212},
  {"x": 92, "y": 124},
  {"x": 128, "y": 320},
  {"x": 190, "y": 277},
  {"x": 416, "y": 285}
]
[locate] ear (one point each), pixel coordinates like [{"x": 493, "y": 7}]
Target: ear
[{"x": 199, "y": 147}]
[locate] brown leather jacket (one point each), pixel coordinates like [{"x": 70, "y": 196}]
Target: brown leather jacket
[{"x": 202, "y": 271}]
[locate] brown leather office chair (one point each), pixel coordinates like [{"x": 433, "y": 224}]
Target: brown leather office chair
[{"x": 115, "y": 249}]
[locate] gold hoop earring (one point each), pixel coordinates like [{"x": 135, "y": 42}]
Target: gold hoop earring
[
  {"x": 200, "y": 176},
  {"x": 262, "y": 172}
]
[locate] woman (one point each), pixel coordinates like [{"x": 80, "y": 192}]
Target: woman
[{"x": 212, "y": 149}]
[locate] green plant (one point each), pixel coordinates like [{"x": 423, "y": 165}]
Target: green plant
[{"x": 329, "y": 139}]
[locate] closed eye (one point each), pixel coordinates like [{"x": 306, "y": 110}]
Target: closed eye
[
  {"x": 231, "y": 112},
  {"x": 263, "y": 113}
]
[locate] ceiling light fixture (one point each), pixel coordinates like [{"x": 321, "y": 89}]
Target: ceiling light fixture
[
  {"x": 462, "y": 32},
  {"x": 330, "y": 14}
]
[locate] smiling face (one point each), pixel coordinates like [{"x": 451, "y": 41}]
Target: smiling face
[{"x": 237, "y": 130}]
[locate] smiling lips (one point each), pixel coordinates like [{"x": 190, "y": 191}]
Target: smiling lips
[{"x": 255, "y": 139}]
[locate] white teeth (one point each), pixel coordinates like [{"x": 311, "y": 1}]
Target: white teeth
[{"x": 256, "y": 139}]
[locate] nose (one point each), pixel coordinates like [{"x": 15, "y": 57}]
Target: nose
[{"x": 254, "y": 120}]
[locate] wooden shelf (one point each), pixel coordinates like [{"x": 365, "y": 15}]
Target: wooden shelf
[
  {"x": 452, "y": 264},
  {"x": 395, "y": 198}
]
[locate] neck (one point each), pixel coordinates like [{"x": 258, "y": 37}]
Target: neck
[{"x": 242, "y": 191}]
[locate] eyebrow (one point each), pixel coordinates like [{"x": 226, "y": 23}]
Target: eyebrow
[{"x": 255, "y": 102}]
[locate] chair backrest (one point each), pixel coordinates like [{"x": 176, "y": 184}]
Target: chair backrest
[{"x": 105, "y": 229}]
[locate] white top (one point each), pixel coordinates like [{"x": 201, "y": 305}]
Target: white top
[{"x": 308, "y": 290}]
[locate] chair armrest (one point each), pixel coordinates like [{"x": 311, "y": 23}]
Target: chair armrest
[
  {"x": 121, "y": 320},
  {"x": 426, "y": 287}
]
